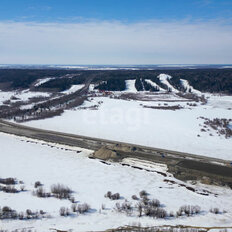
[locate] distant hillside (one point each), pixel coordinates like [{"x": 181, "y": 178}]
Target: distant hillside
[{"x": 204, "y": 80}]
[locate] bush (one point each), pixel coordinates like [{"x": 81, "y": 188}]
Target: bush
[
  {"x": 37, "y": 184},
  {"x": 103, "y": 207},
  {"x": 9, "y": 189},
  {"x": 155, "y": 212},
  {"x": 40, "y": 192},
  {"x": 74, "y": 208},
  {"x": 134, "y": 197},
  {"x": 83, "y": 208},
  {"x": 143, "y": 193},
  {"x": 145, "y": 200},
  {"x": 7, "y": 213},
  {"x": 171, "y": 214},
  {"x": 111, "y": 196},
  {"x": 31, "y": 215},
  {"x": 115, "y": 196},
  {"x": 215, "y": 210},
  {"x": 140, "y": 208},
  {"x": 108, "y": 194},
  {"x": 72, "y": 199},
  {"x": 154, "y": 203},
  {"x": 188, "y": 210},
  {"x": 124, "y": 207},
  {"x": 64, "y": 212},
  {"x": 8, "y": 181},
  {"x": 61, "y": 191}
]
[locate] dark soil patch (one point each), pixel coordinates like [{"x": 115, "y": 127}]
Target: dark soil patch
[{"x": 206, "y": 167}]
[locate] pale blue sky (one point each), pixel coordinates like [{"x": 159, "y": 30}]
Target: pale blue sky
[{"x": 115, "y": 31}]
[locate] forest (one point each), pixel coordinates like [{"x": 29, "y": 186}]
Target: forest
[{"x": 205, "y": 80}]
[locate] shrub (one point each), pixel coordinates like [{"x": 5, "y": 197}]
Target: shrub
[
  {"x": 161, "y": 213},
  {"x": 72, "y": 199},
  {"x": 188, "y": 210},
  {"x": 7, "y": 213},
  {"x": 108, "y": 194},
  {"x": 215, "y": 210},
  {"x": 42, "y": 212},
  {"x": 140, "y": 208},
  {"x": 103, "y": 207},
  {"x": 83, "y": 208},
  {"x": 134, "y": 197},
  {"x": 155, "y": 212},
  {"x": 21, "y": 216},
  {"x": 171, "y": 214},
  {"x": 64, "y": 212},
  {"x": 40, "y": 192},
  {"x": 74, "y": 208},
  {"x": 145, "y": 200},
  {"x": 126, "y": 207},
  {"x": 115, "y": 196},
  {"x": 61, "y": 191},
  {"x": 37, "y": 184},
  {"x": 8, "y": 189},
  {"x": 8, "y": 181},
  {"x": 143, "y": 193},
  {"x": 111, "y": 196},
  {"x": 28, "y": 212},
  {"x": 31, "y": 215},
  {"x": 154, "y": 203}
]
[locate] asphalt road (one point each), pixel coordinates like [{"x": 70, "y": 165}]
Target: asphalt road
[{"x": 200, "y": 164}]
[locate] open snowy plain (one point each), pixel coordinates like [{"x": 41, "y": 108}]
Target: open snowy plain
[
  {"x": 148, "y": 119},
  {"x": 30, "y": 161},
  {"x": 163, "y": 119}
]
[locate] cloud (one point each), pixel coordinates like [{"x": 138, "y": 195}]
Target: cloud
[
  {"x": 106, "y": 42},
  {"x": 204, "y": 3}
]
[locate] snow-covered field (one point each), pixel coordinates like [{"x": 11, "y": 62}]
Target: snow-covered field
[
  {"x": 73, "y": 89},
  {"x": 89, "y": 179},
  {"x": 24, "y": 95},
  {"x": 129, "y": 121}
]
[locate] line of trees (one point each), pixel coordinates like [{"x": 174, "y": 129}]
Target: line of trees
[{"x": 205, "y": 80}]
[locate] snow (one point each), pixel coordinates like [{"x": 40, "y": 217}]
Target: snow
[
  {"x": 42, "y": 81},
  {"x": 4, "y": 96},
  {"x": 26, "y": 94},
  {"x": 219, "y": 101},
  {"x": 189, "y": 88},
  {"x": 21, "y": 95},
  {"x": 154, "y": 85},
  {"x": 94, "y": 68},
  {"x": 91, "y": 87},
  {"x": 73, "y": 89},
  {"x": 31, "y": 161},
  {"x": 146, "y": 164},
  {"x": 164, "y": 79},
  {"x": 177, "y": 65},
  {"x": 130, "y": 86},
  {"x": 129, "y": 121},
  {"x": 226, "y": 67},
  {"x": 69, "y": 66}
]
